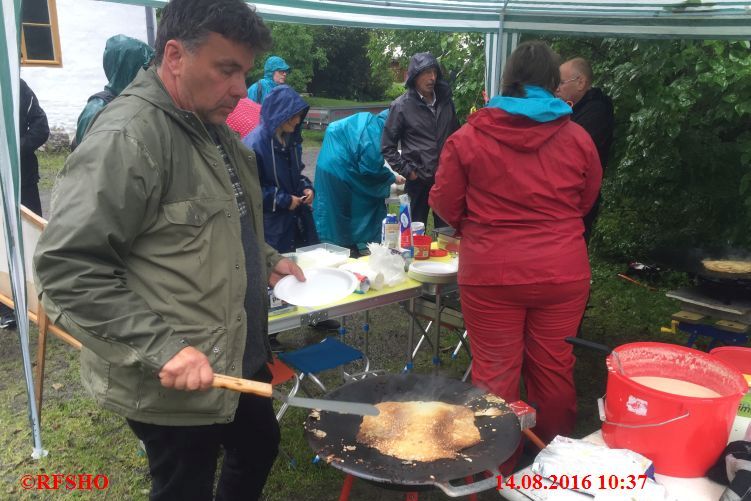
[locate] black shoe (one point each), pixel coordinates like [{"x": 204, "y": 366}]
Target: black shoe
[
  {"x": 327, "y": 325},
  {"x": 276, "y": 346},
  {"x": 8, "y": 321}
]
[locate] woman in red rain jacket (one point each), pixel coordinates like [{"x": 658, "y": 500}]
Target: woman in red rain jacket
[{"x": 515, "y": 182}]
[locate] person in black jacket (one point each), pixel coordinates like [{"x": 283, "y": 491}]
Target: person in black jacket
[
  {"x": 421, "y": 120},
  {"x": 34, "y": 132},
  {"x": 593, "y": 110}
]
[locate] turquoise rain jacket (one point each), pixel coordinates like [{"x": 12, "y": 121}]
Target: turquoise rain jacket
[
  {"x": 352, "y": 181},
  {"x": 280, "y": 171},
  {"x": 259, "y": 90},
  {"x": 123, "y": 57}
]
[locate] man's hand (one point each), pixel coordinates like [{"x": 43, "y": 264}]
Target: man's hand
[
  {"x": 308, "y": 195},
  {"x": 285, "y": 267},
  {"x": 188, "y": 370},
  {"x": 400, "y": 179},
  {"x": 412, "y": 176}
]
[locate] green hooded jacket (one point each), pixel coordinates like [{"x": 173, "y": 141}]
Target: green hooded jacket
[
  {"x": 123, "y": 58},
  {"x": 143, "y": 255}
]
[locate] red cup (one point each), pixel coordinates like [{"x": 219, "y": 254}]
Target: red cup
[{"x": 421, "y": 244}]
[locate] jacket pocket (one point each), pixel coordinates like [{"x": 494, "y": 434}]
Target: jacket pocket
[
  {"x": 153, "y": 398},
  {"x": 193, "y": 212}
]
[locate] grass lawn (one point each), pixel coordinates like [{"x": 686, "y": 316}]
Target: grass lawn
[
  {"x": 312, "y": 138},
  {"x": 328, "y": 102},
  {"x": 49, "y": 165},
  {"x": 83, "y": 438}
]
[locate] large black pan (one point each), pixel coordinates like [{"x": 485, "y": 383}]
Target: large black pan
[
  {"x": 333, "y": 436},
  {"x": 690, "y": 261}
]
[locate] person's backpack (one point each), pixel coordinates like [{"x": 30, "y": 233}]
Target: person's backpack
[{"x": 105, "y": 96}]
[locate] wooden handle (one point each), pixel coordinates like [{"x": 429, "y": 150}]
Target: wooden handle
[{"x": 242, "y": 385}]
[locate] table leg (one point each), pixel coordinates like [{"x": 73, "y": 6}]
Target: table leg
[
  {"x": 366, "y": 330},
  {"x": 410, "y": 336},
  {"x": 437, "y": 327}
]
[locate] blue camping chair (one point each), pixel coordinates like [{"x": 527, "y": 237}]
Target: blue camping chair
[{"x": 328, "y": 354}]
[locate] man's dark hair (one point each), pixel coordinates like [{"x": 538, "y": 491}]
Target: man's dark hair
[
  {"x": 191, "y": 21},
  {"x": 531, "y": 63}
]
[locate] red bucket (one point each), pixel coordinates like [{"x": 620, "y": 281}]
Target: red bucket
[
  {"x": 682, "y": 435},
  {"x": 737, "y": 356}
]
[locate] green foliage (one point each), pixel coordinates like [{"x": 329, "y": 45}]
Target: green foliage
[
  {"x": 296, "y": 44},
  {"x": 395, "y": 90},
  {"x": 461, "y": 55},
  {"x": 50, "y": 164},
  {"x": 680, "y": 173},
  {"x": 347, "y": 73}
]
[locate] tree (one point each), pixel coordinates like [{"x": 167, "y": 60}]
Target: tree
[
  {"x": 461, "y": 55},
  {"x": 347, "y": 72},
  {"x": 298, "y": 46},
  {"x": 681, "y": 169}
]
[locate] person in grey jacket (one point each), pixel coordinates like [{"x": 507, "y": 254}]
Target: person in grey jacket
[
  {"x": 420, "y": 121},
  {"x": 154, "y": 258}
]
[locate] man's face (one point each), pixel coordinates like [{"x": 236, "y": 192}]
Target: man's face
[
  {"x": 573, "y": 85},
  {"x": 425, "y": 82},
  {"x": 280, "y": 77},
  {"x": 211, "y": 80}
]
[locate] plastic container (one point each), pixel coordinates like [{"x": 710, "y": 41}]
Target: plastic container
[
  {"x": 390, "y": 231},
  {"x": 421, "y": 245},
  {"x": 405, "y": 224},
  {"x": 740, "y": 358},
  {"x": 323, "y": 255},
  {"x": 683, "y": 436},
  {"x": 447, "y": 239}
]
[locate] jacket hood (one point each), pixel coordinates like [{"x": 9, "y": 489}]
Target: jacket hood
[
  {"x": 274, "y": 63},
  {"x": 382, "y": 116},
  {"x": 280, "y": 105},
  {"x": 419, "y": 63},
  {"x": 123, "y": 57},
  {"x": 538, "y": 105},
  {"x": 148, "y": 86},
  {"x": 518, "y": 132}
]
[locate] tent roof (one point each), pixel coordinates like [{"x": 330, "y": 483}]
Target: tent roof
[{"x": 639, "y": 18}]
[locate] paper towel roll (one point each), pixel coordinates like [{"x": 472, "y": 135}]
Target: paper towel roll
[{"x": 376, "y": 278}]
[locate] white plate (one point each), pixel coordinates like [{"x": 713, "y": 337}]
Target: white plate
[
  {"x": 434, "y": 268},
  {"x": 322, "y": 286}
]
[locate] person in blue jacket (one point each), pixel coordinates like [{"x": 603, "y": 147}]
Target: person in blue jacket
[
  {"x": 352, "y": 182},
  {"x": 287, "y": 194},
  {"x": 275, "y": 72}
]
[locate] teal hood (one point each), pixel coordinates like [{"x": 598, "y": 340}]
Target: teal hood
[
  {"x": 123, "y": 57},
  {"x": 274, "y": 63},
  {"x": 539, "y": 105}
]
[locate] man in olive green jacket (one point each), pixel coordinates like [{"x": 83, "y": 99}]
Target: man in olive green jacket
[{"x": 154, "y": 258}]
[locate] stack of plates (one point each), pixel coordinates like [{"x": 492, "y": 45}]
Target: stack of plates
[{"x": 434, "y": 272}]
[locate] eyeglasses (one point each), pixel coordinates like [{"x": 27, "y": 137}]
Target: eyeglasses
[{"x": 569, "y": 80}]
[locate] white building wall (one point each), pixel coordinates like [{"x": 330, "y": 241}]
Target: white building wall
[{"x": 85, "y": 26}]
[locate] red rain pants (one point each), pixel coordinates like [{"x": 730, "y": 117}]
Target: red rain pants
[{"x": 518, "y": 331}]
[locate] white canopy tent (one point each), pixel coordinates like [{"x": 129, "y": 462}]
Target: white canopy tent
[{"x": 502, "y": 21}]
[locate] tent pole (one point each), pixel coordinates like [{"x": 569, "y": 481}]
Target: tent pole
[{"x": 43, "y": 321}]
